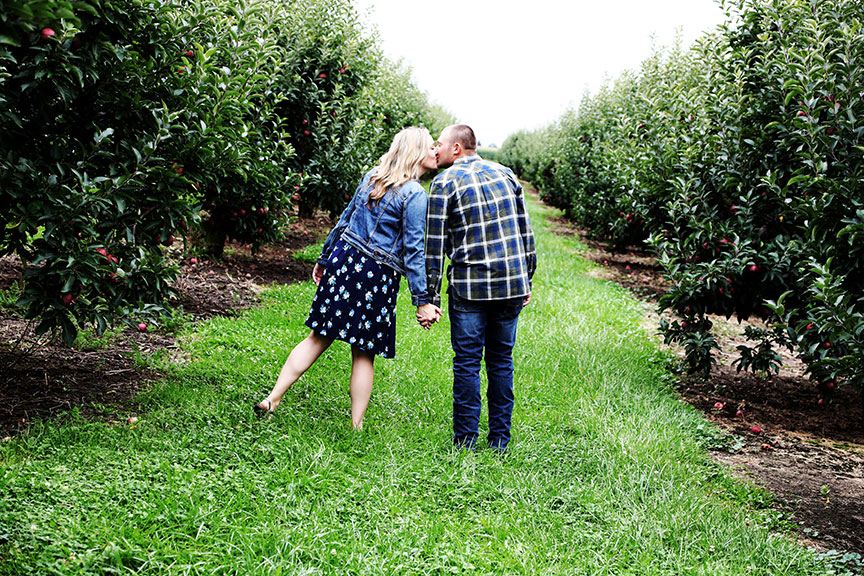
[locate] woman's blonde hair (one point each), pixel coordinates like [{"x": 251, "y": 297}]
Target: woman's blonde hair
[{"x": 401, "y": 163}]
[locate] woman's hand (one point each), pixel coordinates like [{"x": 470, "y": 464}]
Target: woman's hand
[
  {"x": 428, "y": 314},
  {"x": 317, "y": 273}
]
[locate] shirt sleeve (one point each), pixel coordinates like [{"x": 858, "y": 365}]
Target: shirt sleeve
[
  {"x": 436, "y": 238},
  {"x": 414, "y": 229},
  {"x": 526, "y": 232}
]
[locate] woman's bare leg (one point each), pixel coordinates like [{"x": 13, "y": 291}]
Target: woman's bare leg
[
  {"x": 299, "y": 360},
  {"x": 362, "y": 374}
]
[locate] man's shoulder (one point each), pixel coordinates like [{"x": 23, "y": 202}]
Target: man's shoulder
[{"x": 475, "y": 166}]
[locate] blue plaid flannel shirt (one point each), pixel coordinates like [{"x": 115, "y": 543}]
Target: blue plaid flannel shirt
[{"x": 476, "y": 216}]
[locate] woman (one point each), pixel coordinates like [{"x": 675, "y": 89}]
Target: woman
[{"x": 378, "y": 239}]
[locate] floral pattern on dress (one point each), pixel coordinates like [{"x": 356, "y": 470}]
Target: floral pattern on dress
[{"x": 356, "y": 286}]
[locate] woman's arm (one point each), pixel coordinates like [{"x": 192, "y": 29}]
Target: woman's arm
[
  {"x": 336, "y": 233},
  {"x": 414, "y": 232}
]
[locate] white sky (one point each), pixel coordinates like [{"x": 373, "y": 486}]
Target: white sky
[{"x": 501, "y": 66}]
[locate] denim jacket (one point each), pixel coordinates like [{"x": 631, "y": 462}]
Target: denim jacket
[{"x": 391, "y": 232}]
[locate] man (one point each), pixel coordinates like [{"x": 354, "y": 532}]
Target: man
[{"x": 476, "y": 216}]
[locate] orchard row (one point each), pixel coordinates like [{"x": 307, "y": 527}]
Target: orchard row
[
  {"x": 740, "y": 162},
  {"x": 127, "y": 124}
]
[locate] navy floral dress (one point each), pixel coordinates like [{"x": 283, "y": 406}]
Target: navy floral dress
[{"x": 356, "y": 301}]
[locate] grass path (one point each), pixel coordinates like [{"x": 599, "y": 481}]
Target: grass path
[{"x": 607, "y": 471}]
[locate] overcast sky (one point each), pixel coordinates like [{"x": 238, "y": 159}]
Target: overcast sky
[{"x": 506, "y": 65}]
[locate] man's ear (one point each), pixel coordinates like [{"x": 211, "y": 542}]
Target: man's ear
[{"x": 458, "y": 148}]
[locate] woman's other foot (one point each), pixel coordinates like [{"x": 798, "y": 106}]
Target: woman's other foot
[{"x": 263, "y": 409}]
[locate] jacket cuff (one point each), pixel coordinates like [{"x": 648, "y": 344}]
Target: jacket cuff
[{"x": 420, "y": 300}]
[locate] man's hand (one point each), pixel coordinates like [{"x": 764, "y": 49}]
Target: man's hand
[
  {"x": 526, "y": 299},
  {"x": 428, "y": 314},
  {"x": 317, "y": 273}
]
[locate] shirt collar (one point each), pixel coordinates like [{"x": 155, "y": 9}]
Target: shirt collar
[{"x": 464, "y": 159}]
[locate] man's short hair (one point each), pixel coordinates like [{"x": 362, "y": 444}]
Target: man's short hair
[{"x": 464, "y": 135}]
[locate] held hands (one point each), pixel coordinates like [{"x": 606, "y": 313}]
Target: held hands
[{"x": 428, "y": 314}]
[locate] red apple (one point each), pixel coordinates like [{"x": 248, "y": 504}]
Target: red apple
[
  {"x": 47, "y": 33},
  {"x": 67, "y": 299},
  {"x": 754, "y": 268},
  {"x": 193, "y": 260},
  {"x": 755, "y": 429},
  {"x": 718, "y": 405},
  {"x": 142, "y": 326},
  {"x": 739, "y": 413},
  {"x": 189, "y": 54}
]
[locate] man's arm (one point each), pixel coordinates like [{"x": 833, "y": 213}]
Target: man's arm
[
  {"x": 526, "y": 232},
  {"x": 436, "y": 238}
]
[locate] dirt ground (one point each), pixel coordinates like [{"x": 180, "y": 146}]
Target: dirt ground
[
  {"x": 40, "y": 378},
  {"x": 810, "y": 451},
  {"x": 809, "y": 454}
]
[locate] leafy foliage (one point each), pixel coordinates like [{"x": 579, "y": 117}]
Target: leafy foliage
[
  {"x": 739, "y": 162},
  {"x": 128, "y": 123}
]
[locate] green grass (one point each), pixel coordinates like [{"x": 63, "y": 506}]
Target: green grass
[
  {"x": 309, "y": 254},
  {"x": 9, "y": 297},
  {"x": 607, "y": 472}
]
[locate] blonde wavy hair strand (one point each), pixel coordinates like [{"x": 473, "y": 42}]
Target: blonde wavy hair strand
[{"x": 401, "y": 163}]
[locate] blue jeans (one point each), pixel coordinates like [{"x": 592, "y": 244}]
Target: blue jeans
[{"x": 475, "y": 325}]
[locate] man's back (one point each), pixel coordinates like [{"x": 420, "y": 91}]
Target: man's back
[{"x": 477, "y": 218}]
